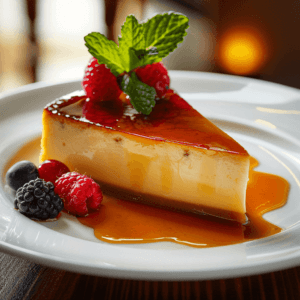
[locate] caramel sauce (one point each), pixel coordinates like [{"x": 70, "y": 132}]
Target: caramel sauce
[
  {"x": 28, "y": 151},
  {"x": 120, "y": 221}
]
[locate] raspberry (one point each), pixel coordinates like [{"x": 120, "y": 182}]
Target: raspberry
[
  {"x": 99, "y": 83},
  {"x": 177, "y": 100},
  {"x": 80, "y": 193},
  {"x": 155, "y": 75},
  {"x": 51, "y": 170},
  {"x": 106, "y": 113}
]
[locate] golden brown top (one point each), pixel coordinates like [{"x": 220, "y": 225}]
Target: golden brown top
[{"x": 167, "y": 122}]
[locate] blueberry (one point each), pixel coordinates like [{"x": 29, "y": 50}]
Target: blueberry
[{"x": 20, "y": 173}]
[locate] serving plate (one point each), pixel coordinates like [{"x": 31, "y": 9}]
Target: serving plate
[{"x": 263, "y": 117}]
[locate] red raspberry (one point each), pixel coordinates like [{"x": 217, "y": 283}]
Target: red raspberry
[
  {"x": 106, "y": 113},
  {"x": 80, "y": 193},
  {"x": 177, "y": 100},
  {"x": 99, "y": 83},
  {"x": 155, "y": 75},
  {"x": 51, "y": 170}
]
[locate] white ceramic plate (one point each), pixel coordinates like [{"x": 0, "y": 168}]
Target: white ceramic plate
[{"x": 263, "y": 117}]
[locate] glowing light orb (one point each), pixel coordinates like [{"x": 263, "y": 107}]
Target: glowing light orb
[{"x": 241, "y": 51}]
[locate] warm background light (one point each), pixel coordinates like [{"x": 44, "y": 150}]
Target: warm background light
[
  {"x": 59, "y": 53},
  {"x": 248, "y": 38},
  {"x": 241, "y": 51}
]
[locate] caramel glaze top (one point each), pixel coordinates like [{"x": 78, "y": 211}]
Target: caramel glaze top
[{"x": 167, "y": 122}]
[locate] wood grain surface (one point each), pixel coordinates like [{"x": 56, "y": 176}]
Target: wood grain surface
[{"x": 21, "y": 279}]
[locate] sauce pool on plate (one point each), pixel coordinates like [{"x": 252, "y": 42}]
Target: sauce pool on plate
[{"x": 120, "y": 221}]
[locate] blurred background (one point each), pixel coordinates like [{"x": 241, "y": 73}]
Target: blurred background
[{"x": 42, "y": 40}]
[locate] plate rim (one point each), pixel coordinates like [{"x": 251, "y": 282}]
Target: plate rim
[{"x": 172, "y": 73}]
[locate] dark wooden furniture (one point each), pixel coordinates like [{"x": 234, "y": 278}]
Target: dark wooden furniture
[{"x": 21, "y": 279}]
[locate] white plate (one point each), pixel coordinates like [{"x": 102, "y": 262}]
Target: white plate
[{"x": 263, "y": 117}]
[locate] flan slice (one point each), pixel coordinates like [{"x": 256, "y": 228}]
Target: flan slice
[{"x": 174, "y": 158}]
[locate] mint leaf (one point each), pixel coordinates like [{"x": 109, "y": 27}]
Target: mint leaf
[
  {"x": 141, "y": 95},
  {"x": 142, "y": 53},
  {"x": 106, "y": 52},
  {"x": 134, "y": 61},
  {"x": 164, "y": 32},
  {"x": 139, "y": 44},
  {"x": 132, "y": 39},
  {"x": 147, "y": 56}
]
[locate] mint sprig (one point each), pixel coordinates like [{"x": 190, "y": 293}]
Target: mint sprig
[
  {"x": 154, "y": 39},
  {"x": 141, "y": 95},
  {"x": 165, "y": 32},
  {"x": 131, "y": 40},
  {"x": 140, "y": 44},
  {"x": 106, "y": 51}
]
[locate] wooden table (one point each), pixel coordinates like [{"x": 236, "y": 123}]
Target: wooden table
[{"x": 22, "y": 279}]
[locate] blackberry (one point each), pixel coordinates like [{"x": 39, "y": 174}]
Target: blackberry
[{"x": 36, "y": 199}]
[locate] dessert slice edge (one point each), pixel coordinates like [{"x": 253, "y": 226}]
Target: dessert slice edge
[{"x": 162, "y": 173}]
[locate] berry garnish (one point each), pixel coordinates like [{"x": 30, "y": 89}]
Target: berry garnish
[
  {"x": 177, "y": 100},
  {"x": 36, "y": 199},
  {"x": 106, "y": 112},
  {"x": 99, "y": 83},
  {"x": 80, "y": 193},
  {"x": 51, "y": 170},
  {"x": 155, "y": 75},
  {"x": 140, "y": 44},
  {"x": 20, "y": 173}
]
